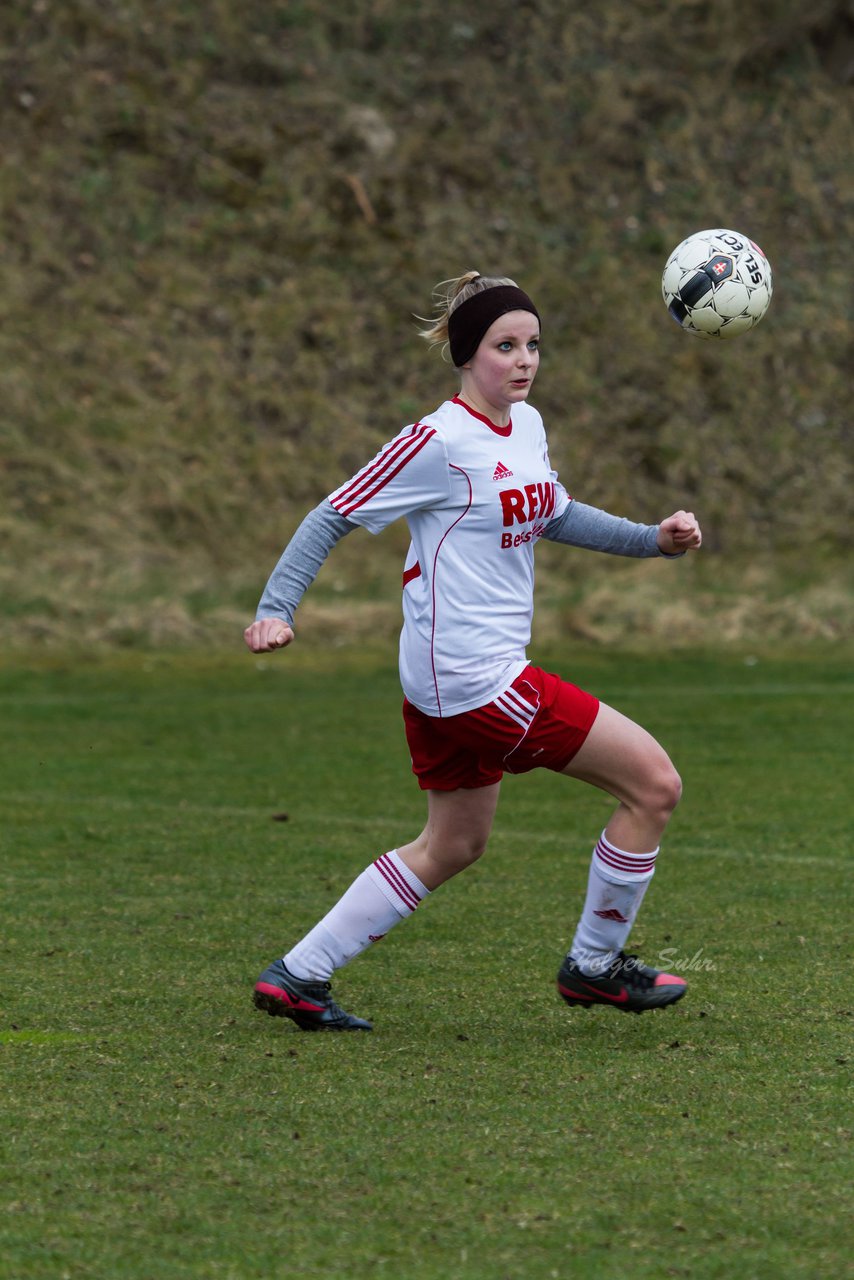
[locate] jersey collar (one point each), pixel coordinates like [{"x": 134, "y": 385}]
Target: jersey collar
[{"x": 499, "y": 431}]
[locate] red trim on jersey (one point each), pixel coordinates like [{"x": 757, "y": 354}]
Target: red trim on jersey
[
  {"x": 411, "y": 574},
  {"x": 389, "y": 462},
  {"x": 499, "y": 431},
  {"x": 435, "y": 562}
]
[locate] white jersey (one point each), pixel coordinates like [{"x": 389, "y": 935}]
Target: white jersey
[{"x": 476, "y": 498}]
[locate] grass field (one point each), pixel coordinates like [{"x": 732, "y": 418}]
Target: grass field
[{"x": 156, "y": 1126}]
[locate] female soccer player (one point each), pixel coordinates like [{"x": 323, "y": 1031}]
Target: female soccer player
[{"x": 474, "y": 482}]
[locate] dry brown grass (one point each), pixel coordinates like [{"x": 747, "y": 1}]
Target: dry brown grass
[{"x": 217, "y": 222}]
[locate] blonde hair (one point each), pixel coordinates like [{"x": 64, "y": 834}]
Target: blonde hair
[{"x": 450, "y": 294}]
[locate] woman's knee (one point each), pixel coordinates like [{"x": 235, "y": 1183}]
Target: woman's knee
[
  {"x": 663, "y": 788},
  {"x": 461, "y": 849},
  {"x": 458, "y": 825},
  {"x": 438, "y": 854}
]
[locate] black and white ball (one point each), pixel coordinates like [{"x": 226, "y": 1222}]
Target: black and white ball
[{"x": 717, "y": 284}]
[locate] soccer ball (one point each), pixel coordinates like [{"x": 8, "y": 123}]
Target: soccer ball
[{"x": 717, "y": 284}]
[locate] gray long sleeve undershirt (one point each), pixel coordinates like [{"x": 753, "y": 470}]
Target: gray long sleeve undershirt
[
  {"x": 595, "y": 530},
  {"x": 300, "y": 562}
]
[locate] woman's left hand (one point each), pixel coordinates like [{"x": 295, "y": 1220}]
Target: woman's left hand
[{"x": 679, "y": 532}]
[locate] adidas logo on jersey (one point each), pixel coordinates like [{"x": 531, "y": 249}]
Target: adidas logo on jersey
[{"x": 501, "y": 472}]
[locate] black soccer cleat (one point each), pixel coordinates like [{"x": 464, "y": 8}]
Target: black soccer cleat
[
  {"x": 308, "y": 1004},
  {"x": 626, "y": 984}
]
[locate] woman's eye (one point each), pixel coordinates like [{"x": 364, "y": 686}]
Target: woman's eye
[
  {"x": 505, "y": 346},
  {"x": 534, "y": 344}
]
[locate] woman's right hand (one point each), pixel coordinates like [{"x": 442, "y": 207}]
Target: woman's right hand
[{"x": 268, "y": 634}]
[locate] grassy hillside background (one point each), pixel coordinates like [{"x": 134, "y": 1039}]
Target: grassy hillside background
[{"x": 219, "y": 218}]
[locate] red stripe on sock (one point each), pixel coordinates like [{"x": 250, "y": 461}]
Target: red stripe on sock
[
  {"x": 402, "y": 888},
  {"x": 638, "y": 863}
]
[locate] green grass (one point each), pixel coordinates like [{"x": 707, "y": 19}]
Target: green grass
[{"x": 155, "y": 1126}]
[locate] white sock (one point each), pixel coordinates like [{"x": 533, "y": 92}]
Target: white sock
[
  {"x": 615, "y": 890},
  {"x": 385, "y": 893}
]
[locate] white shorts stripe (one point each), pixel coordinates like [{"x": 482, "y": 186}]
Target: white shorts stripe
[
  {"x": 518, "y": 716},
  {"x": 522, "y": 705}
]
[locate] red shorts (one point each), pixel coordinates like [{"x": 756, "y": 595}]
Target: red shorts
[{"x": 538, "y": 723}]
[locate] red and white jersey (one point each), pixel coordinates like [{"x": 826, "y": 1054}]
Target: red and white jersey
[{"x": 476, "y": 498}]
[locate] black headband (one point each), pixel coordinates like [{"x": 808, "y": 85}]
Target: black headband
[{"x": 470, "y": 320}]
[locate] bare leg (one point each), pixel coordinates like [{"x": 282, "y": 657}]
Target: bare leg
[
  {"x": 458, "y": 827},
  {"x": 620, "y": 757}
]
